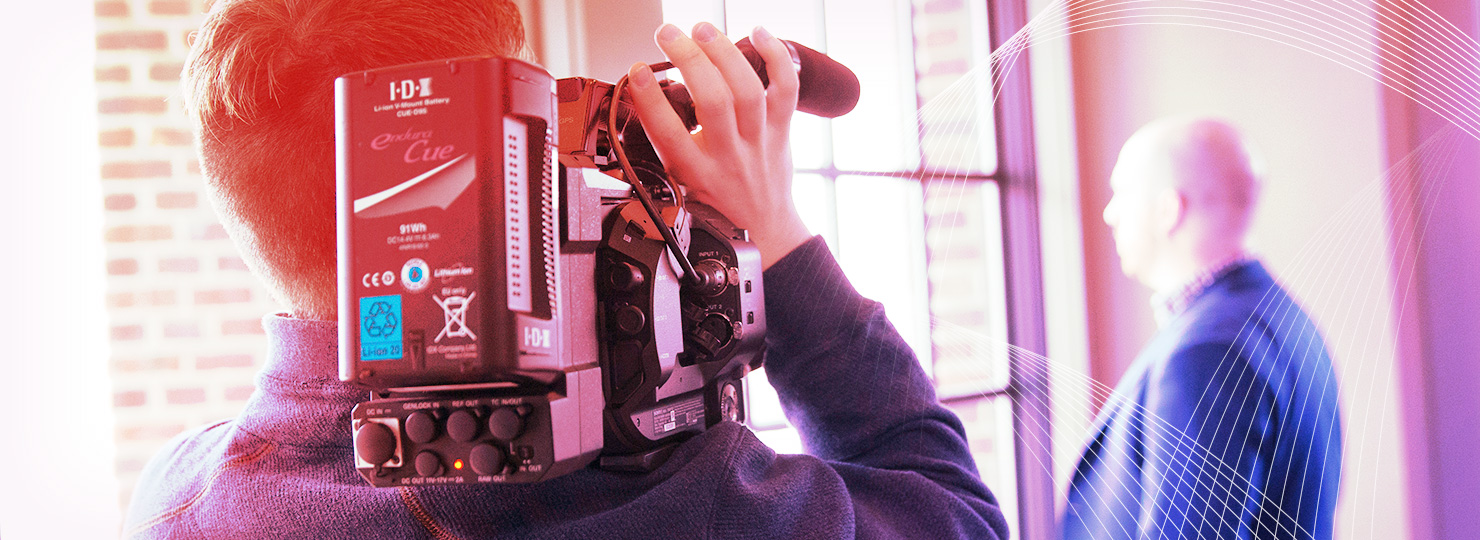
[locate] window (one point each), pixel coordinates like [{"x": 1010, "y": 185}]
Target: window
[{"x": 908, "y": 190}]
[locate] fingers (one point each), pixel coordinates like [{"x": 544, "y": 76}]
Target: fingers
[
  {"x": 781, "y": 95},
  {"x": 713, "y": 103},
  {"x": 663, "y": 127},
  {"x": 745, "y": 87}
]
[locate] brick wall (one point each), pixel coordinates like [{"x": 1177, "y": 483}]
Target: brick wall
[{"x": 184, "y": 312}]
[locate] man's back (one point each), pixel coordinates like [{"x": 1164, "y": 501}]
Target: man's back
[
  {"x": 1226, "y": 426},
  {"x": 285, "y": 469}
]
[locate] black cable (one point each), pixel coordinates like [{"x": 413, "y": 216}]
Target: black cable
[{"x": 689, "y": 275}]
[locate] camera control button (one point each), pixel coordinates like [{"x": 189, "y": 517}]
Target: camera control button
[
  {"x": 625, "y": 277},
  {"x": 428, "y": 463},
  {"x": 487, "y": 459},
  {"x": 630, "y": 320},
  {"x": 505, "y": 424},
  {"x": 462, "y": 426},
  {"x": 375, "y": 443},
  {"x": 421, "y": 428}
]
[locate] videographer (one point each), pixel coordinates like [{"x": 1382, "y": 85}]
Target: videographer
[{"x": 886, "y": 460}]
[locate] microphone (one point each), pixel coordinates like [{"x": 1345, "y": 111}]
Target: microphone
[{"x": 827, "y": 88}]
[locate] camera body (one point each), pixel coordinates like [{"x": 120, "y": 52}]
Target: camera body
[{"x": 515, "y": 313}]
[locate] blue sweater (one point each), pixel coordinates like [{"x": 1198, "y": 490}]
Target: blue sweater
[
  {"x": 886, "y": 461},
  {"x": 1226, "y": 426}
]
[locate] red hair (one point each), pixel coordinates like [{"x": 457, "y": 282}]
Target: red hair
[{"x": 259, "y": 84}]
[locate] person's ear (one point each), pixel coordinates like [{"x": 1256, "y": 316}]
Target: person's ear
[{"x": 1170, "y": 211}]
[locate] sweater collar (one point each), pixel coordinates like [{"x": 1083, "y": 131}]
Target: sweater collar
[{"x": 300, "y": 400}]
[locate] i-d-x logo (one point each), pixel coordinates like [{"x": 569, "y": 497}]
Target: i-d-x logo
[
  {"x": 410, "y": 88},
  {"x": 536, "y": 337}
]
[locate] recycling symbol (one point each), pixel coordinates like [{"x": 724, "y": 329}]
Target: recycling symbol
[{"x": 381, "y": 320}]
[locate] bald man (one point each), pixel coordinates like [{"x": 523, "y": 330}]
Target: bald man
[{"x": 1226, "y": 425}]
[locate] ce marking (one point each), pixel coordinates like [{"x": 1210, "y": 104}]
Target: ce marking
[{"x": 381, "y": 279}]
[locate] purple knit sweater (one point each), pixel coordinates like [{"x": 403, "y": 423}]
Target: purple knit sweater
[{"x": 885, "y": 460}]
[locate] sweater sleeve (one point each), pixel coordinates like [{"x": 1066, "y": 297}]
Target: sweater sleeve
[{"x": 864, "y": 407}]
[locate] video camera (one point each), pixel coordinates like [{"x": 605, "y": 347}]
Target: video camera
[{"x": 521, "y": 287}]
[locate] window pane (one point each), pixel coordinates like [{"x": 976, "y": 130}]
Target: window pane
[
  {"x": 686, "y": 13},
  {"x": 968, "y": 304},
  {"x": 800, "y": 22},
  {"x": 765, "y": 407},
  {"x": 872, "y": 37},
  {"x": 764, "y": 415},
  {"x": 989, "y": 428},
  {"x": 958, "y": 131},
  {"x": 881, "y": 247},
  {"x": 814, "y": 199},
  {"x": 791, "y": 20}
]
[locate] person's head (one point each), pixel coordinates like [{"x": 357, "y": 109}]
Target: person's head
[
  {"x": 259, "y": 85},
  {"x": 1184, "y": 192}
]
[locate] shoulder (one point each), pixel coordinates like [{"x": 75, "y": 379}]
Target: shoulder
[
  {"x": 1249, "y": 315},
  {"x": 184, "y": 467}
]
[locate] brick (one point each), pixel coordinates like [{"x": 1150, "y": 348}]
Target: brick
[
  {"x": 947, "y": 219},
  {"x": 122, "y": 170},
  {"x": 138, "y": 233},
  {"x": 179, "y": 265},
  {"x": 223, "y": 296},
  {"x": 941, "y": 37},
  {"x": 121, "y": 300},
  {"x": 133, "y": 105},
  {"x": 224, "y": 361},
  {"x": 172, "y": 137},
  {"x": 239, "y": 393},
  {"x": 181, "y": 330},
  {"x": 159, "y": 363},
  {"x": 184, "y": 396},
  {"x": 110, "y": 9},
  {"x": 160, "y": 298},
  {"x": 965, "y": 411},
  {"x": 119, "y": 201},
  {"x": 243, "y": 327},
  {"x": 193, "y": 167},
  {"x": 130, "y": 465},
  {"x": 116, "y": 138},
  {"x": 170, "y": 7},
  {"x": 123, "y": 267},
  {"x": 943, "y": 6},
  {"x": 948, "y": 67},
  {"x": 150, "y": 40},
  {"x": 111, "y": 74},
  {"x": 232, "y": 263},
  {"x": 131, "y": 398},
  {"x": 127, "y": 332},
  {"x": 166, "y": 71},
  {"x": 151, "y": 432},
  {"x": 175, "y": 199},
  {"x": 982, "y": 445},
  {"x": 213, "y": 231}
]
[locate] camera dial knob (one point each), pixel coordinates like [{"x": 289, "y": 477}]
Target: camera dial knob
[
  {"x": 428, "y": 463},
  {"x": 712, "y": 277},
  {"x": 375, "y": 443},
  {"x": 421, "y": 427},
  {"x": 630, "y": 320},
  {"x": 505, "y": 424},
  {"x": 462, "y": 426},
  {"x": 487, "y": 459},
  {"x": 624, "y": 277}
]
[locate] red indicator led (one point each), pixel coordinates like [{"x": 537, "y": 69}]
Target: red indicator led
[{"x": 457, "y": 464}]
